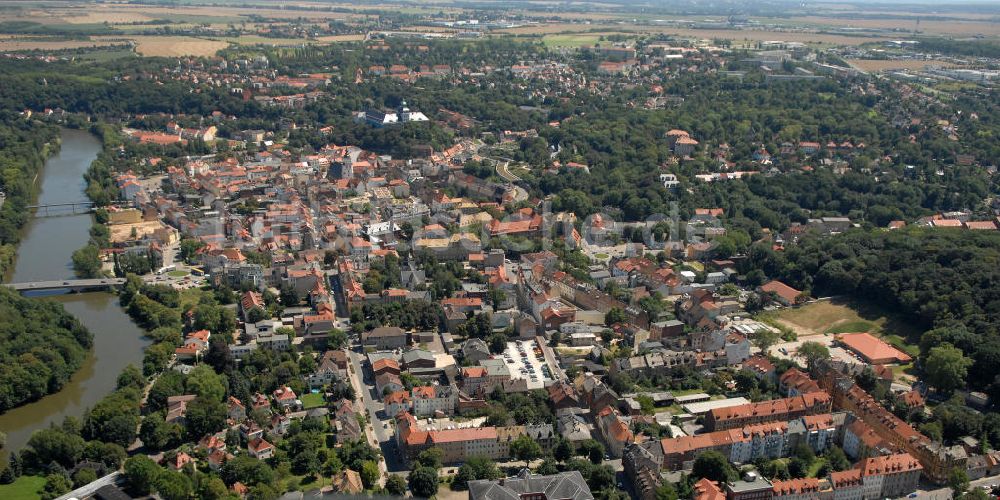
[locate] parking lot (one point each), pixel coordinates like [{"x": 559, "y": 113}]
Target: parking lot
[
  {"x": 789, "y": 350},
  {"x": 524, "y": 359}
]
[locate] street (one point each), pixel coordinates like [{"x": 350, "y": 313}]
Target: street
[
  {"x": 945, "y": 493},
  {"x": 378, "y": 433}
]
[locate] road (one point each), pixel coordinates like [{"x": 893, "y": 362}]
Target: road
[
  {"x": 504, "y": 172},
  {"x": 945, "y": 493},
  {"x": 378, "y": 433}
]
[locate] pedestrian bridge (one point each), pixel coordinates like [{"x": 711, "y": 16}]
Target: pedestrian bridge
[{"x": 71, "y": 285}]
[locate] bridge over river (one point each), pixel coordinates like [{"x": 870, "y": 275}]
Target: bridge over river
[{"x": 71, "y": 285}]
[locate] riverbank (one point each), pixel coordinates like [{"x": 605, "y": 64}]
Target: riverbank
[
  {"x": 45, "y": 253},
  {"x": 22, "y": 188}
]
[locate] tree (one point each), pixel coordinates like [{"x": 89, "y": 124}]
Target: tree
[
  {"x": 497, "y": 342},
  {"x": 837, "y": 459},
  {"x": 246, "y": 470},
  {"x": 395, "y": 485},
  {"x": 204, "y": 382},
  {"x": 813, "y": 351},
  {"x": 262, "y": 491},
  {"x": 525, "y": 448},
  {"x": 54, "y": 445},
  {"x": 370, "y": 474},
  {"x": 764, "y": 339},
  {"x": 666, "y": 491},
  {"x": 131, "y": 377},
  {"x": 958, "y": 481},
  {"x": 473, "y": 469},
  {"x": 205, "y": 416},
  {"x": 946, "y": 368},
  {"x": 563, "y": 450},
  {"x": 140, "y": 472},
  {"x": 431, "y": 457},
  {"x": 212, "y": 489},
  {"x": 614, "y": 316},
  {"x": 592, "y": 449},
  {"x": 87, "y": 262},
  {"x": 172, "y": 485},
  {"x": 423, "y": 482},
  {"x": 714, "y": 466},
  {"x": 289, "y": 297},
  {"x": 219, "y": 357},
  {"x": 55, "y": 485},
  {"x": 83, "y": 477}
]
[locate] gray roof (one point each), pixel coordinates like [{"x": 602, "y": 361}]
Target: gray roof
[
  {"x": 565, "y": 485},
  {"x": 417, "y": 354}
]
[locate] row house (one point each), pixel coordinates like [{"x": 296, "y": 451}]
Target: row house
[
  {"x": 936, "y": 459},
  {"x": 744, "y": 445},
  {"x": 768, "y": 411},
  {"x": 807, "y": 488},
  {"x": 459, "y": 444},
  {"x": 794, "y": 382},
  {"x": 614, "y": 430}
]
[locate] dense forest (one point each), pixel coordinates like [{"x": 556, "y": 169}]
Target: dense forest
[
  {"x": 41, "y": 346},
  {"x": 945, "y": 280}
]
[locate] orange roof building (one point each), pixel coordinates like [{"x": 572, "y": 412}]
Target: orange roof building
[
  {"x": 768, "y": 411},
  {"x": 872, "y": 349}
]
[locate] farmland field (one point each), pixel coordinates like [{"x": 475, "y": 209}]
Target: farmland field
[
  {"x": 573, "y": 40},
  {"x": 17, "y": 43},
  {"x": 874, "y": 65},
  {"x": 570, "y": 29},
  {"x": 340, "y": 38},
  {"x": 175, "y": 46}
]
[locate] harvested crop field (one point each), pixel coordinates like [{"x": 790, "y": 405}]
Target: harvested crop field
[
  {"x": 340, "y": 38},
  {"x": 734, "y": 34},
  {"x": 875, "y": 66},
  {"x": 173, "y": 46},
  {"x": 99, "y": 15}
]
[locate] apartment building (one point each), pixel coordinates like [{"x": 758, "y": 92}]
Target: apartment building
[
  {"x": 429, "y": 400},
  {"x": 768, "y": 411}
]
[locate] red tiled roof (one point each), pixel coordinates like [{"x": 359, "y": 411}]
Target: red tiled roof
[
  {"x": 873, "y": 349},
  {"x": 706, "y": 489},
  {"x": 782, "y": 290},
  {"x": 796, "y": 486}
]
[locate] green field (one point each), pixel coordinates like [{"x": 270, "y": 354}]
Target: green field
[
  {"x": 26, "y": 487},
  {"x": 573, "y": 40},
  {"x": 312, "y": 400},
  {"x": 177, "y": 274}
]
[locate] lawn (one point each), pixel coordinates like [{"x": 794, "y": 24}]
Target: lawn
[
  {"x": 575, "y": 40},
  {"x": 177, "y": 274},
  {"x": 24, "y": 488},
  {"x": 312, "y": 400},
  {"x": 815, "y": 467}
]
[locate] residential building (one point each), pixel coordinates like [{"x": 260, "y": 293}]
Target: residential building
[
  {"x": 768, "y": 411},
  {"x": 568, "y": 485},
  {"x": 433, "y": 400},
  {"x": 385, "y": 337}
]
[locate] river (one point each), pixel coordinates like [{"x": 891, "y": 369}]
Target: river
[{"x": 45, "y": 253}]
